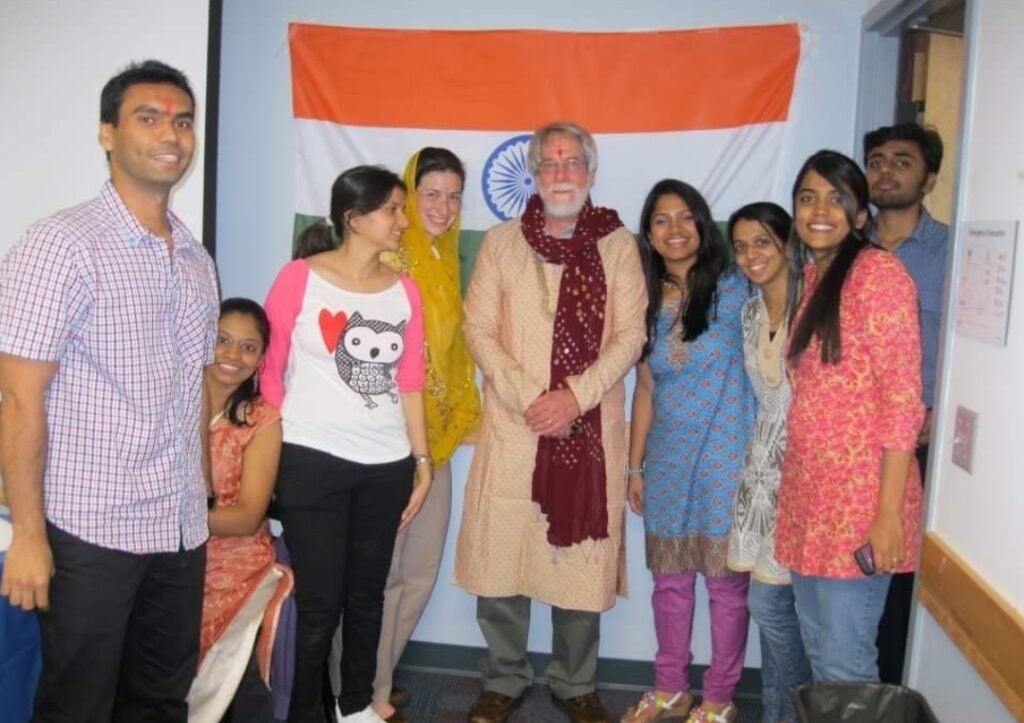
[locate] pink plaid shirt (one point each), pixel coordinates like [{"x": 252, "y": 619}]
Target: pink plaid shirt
[{"x": 131, "y": 327}]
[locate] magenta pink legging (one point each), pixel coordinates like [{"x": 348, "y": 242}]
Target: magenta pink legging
[{"x": 673, "y": 603}]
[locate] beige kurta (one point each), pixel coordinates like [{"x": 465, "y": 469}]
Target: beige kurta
[{"x": 502, "y": 548}]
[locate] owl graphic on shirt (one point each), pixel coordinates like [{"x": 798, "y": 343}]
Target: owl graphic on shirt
[{"x": 366, "y": 357}]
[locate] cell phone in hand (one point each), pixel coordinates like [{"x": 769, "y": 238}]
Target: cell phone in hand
[{"x": 865, "y": 558}]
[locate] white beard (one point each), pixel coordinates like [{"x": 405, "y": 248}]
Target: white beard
[{"x": 567, "y": 209}]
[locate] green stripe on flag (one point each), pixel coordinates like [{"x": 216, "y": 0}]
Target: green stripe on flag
[
  {"x": 302, "y": 222},
  {"x": 469, "y": 244}
]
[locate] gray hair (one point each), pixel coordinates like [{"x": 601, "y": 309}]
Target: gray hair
[{"x": 561, "y": 128}]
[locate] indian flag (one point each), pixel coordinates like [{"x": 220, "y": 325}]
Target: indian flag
[{"x": 706, "y": 106}]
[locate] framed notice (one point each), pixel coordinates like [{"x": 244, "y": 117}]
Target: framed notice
[{"x": 985, "y": 280}]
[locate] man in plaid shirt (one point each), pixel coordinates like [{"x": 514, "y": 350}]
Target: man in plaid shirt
[{"x": 108, "y": 314}]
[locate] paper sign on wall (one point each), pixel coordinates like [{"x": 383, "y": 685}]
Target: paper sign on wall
[{"x": 986, "y": 279}]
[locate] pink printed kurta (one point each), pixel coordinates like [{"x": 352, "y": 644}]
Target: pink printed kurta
[
  {"x": 234, "y": 565},
  {"x": 844, "y": 415}
]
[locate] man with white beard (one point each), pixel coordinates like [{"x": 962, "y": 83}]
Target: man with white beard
[{"x": 555, "y": 320}]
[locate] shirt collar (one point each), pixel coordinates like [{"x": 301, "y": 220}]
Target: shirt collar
[
  {"x": 918, "y": 235},
  {"x": 924, "y": 225},
  {"x": 134, "y": 232},
  {"x": 922, "y": 220}
]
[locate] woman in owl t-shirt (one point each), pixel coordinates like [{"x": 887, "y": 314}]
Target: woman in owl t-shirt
[{"x": 345, "y": 365}]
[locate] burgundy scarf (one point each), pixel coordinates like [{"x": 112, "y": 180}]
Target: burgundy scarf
[{"x": 569, "y": 474}]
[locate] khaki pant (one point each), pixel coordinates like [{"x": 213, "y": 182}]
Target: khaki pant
[{"x": 575, "y": 636}]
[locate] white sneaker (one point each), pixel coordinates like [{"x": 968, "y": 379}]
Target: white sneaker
[{"x": 366, "y": 715}]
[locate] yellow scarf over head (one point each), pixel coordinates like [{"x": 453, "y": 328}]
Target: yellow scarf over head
[{"x": 450, "y": 394}]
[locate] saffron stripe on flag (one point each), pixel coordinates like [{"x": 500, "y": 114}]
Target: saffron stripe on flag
[{"x": 501, "y": 80}]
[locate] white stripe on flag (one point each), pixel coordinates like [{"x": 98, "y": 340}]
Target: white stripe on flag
[{"x": 730, "y": 167}]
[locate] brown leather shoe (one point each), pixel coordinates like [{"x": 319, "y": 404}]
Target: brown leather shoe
[
  {"x": 491, "y": 707},
  {"x": 399, "y": 698},
  {"x": 586, "y": 708}
]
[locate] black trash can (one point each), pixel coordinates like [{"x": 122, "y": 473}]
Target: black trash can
[{"x": 861, "y": 703}]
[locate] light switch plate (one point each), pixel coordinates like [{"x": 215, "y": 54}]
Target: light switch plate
[{"x": 963, "y": 437}]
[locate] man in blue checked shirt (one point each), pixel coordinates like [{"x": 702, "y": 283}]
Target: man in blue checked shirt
[
  {"x": 902, "y": 163},
  {"x": 108, "y": 314}
]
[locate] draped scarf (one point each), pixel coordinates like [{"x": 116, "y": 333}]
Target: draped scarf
[
  {"x": 569, "y": 477},
  {"x": 450, "y": 399}
]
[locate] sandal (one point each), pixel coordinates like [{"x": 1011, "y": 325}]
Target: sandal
[
  {"x": 728, "y": 714},
  {"x": 652, "y": 707}
]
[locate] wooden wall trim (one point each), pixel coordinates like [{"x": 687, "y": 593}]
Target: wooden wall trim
[{"x": 980, "y": 622}]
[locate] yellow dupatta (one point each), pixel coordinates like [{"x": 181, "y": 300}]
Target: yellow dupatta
[{"x": 450, "y": 395}]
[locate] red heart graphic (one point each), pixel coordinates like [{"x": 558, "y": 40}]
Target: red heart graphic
[{"x": 331, "y": 326}]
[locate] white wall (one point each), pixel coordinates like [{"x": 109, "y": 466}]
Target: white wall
[
  {"x": 256, "y": 173},
  {"x": 979, "y": 514},
  {"x": 256, "y": 179},
  {"x": 954, "y": 689},
  {"x": 55, "y": 56}
]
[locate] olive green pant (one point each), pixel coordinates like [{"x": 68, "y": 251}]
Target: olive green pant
[{"x": 505, "y": 623}]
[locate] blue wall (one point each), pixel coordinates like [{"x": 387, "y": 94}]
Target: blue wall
[{"x": 256, "y": 182}]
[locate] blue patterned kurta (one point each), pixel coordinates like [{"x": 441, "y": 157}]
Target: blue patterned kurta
[{"x": 703, "y": 414}]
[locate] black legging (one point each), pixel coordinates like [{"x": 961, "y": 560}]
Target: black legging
[{"x": 340, "y": 519}]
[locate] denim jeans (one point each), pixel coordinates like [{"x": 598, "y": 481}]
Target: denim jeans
[
  {"x": 784, "y": 663},
  {"x": 839, "y": 624}
]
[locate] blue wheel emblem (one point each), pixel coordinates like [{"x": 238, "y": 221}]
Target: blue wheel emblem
[{"x": 507, "y": 183}]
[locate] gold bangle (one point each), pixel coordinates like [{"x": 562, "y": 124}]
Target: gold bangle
[{"x": 422, "y": 459}]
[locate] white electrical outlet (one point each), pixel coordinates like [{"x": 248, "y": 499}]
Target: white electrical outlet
[{"x": 963, "y": 437}]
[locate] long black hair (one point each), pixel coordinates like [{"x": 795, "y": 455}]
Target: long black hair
[
  {"x": 774, "y": 218},
  {"x": 702, "y": 278},
  {"x": 821, "y": 316},
  {"x": 357, "y": 191},
  {"x": 240, "y": 399}
]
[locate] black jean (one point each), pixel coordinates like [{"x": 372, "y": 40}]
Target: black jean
[
  {"x": 340, "y": 519},
  {"x": 120, "y": 641},
  {"x": 894, "y": 626}
]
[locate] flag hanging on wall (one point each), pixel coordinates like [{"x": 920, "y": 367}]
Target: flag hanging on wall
[{"x": 707, "y": 106}]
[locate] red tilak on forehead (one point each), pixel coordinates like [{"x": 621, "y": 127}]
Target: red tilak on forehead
[
  {"x": 559, "y": 152},
  {"x": 167, "y": 106}
]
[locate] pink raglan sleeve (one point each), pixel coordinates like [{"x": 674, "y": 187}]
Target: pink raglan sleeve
[
  {"x": 412, "y": 367},
  {"x": 283, "y": 304}
]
